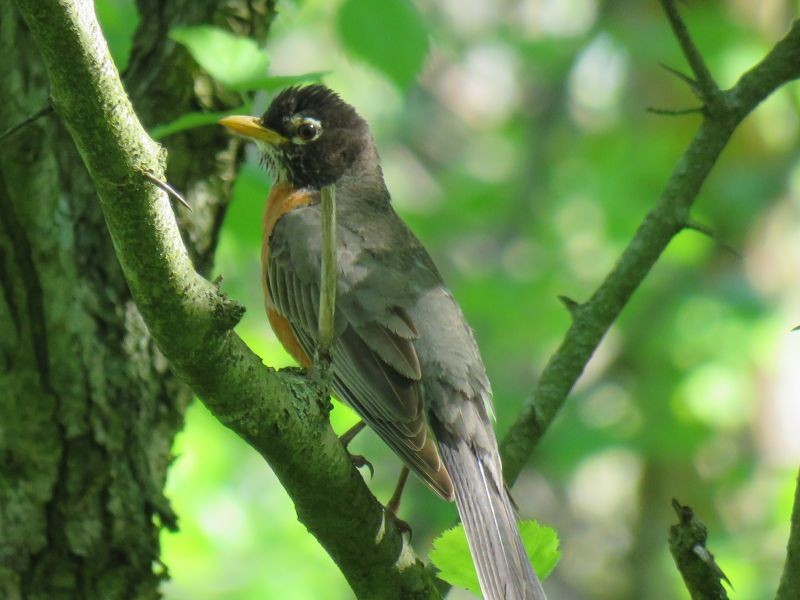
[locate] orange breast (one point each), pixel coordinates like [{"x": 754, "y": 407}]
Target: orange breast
[{"x": 282, "y": 198}]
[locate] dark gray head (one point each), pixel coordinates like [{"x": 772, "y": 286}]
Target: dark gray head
[{"x": 310, "y": 137}]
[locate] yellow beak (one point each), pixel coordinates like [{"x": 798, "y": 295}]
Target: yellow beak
[{"x": 251, "y": 127}]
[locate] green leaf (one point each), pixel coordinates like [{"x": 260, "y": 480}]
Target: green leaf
[
  {"x": 450, "y": 554},
  {"x": 390, "y": 35},
  {"x": 194, "y": 119},
  {"x": 230, "y": 59}
]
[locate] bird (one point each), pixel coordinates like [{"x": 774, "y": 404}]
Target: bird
[{"x": 404, "y": 357}]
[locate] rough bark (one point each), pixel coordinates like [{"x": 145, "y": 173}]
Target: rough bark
[{"x": 89, "y": 405}]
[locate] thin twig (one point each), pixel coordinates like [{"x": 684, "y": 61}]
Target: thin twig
[
  {"x": 667, "y": 218},
  {"x": 166, "y": 187},
  {"x": 327, "y": 290},
  {"x": 687, "y": 544},
  {"x": 704, "y": 84},
  {"x": 712, "y": 235},
  {"x": 680, "y": 75},
  {"x": 673, "y": 112},
  {"x": 46, "y": 110}
]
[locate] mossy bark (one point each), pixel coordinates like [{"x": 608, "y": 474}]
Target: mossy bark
[{"x": 89, "y": 405}]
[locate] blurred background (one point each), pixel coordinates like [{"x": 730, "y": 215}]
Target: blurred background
[{"x": 524, "y": 158}]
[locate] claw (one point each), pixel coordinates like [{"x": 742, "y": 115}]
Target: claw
[
  {"x": 359, "y": 461},
  {"x": 402, "y": 526}
]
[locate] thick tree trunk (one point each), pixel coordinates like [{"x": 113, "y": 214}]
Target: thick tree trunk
[{"x": 89, "y": 405}]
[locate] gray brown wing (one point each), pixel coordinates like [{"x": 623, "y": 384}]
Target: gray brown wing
[{"x": 375, "y": 365}]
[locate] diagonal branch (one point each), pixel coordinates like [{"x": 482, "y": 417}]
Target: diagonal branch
[
  {"x": 665, "y": 220},
  {"x": 276, "y": 413},
  {"x": 687, "y": 544}
]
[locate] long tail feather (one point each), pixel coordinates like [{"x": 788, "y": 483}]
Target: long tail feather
[{"x": 504, "y": 570}]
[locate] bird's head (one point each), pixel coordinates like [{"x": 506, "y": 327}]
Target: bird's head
[{"x": 309, "y": 137}]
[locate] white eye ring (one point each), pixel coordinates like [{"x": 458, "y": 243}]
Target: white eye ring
[{"x": 306, "y": 129}]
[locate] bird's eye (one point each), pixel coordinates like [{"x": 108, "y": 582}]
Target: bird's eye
[{"x": 307, "y": 131}]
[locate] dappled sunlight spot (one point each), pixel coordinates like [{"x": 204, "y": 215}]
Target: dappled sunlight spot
[
  {"x": 535, "y": 495},
  {"x": 588, "y": 257},
  {"x": 768, "y": 15},
  {"x": 484, "y": 88},
  {"x": 708, "y": 327},
  {"x": 581, "y": 225},
  {"x": 470, "y": 17},
  {"x": 490, "y": 157},
  {"x": 555, "y": 18},
  {"x": 593, "y": 559},
  {"x": 597, "y": 537},
  {"x": 410, "y": 183},
  {"x": 606, "y": 406},
  {"x": 474, "y": 255},
  {"x": 717, "y": 394},
  {"x": 605, "y": 485},
  {"x": 749, "y": 514},
  {"x": 303, "y": 49},
  {"x": 717, "y": 456},
  {"x": 520, "y": 259},
  {"x": 578, "y": 214},
  {"x": 780, "y": 414},
  {"x": 596, "y": 83},
  {"x": 221, "y": 517},
  {"x": 777, "y": 122},
  {"x": 239, "y": 536},
  {"x": 377, "y": 99},
  {"x": 773, "y": 250}
]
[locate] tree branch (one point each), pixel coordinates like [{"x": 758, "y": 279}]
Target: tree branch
[
  {"x": 687, "y": 544},
  {"x": 276, "y": 413},
  {"x": 592, "y": 319},
  {"x": 789, "y": 588}
]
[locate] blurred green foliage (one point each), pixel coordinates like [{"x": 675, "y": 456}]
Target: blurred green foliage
[{"x": 524, "y": 158}]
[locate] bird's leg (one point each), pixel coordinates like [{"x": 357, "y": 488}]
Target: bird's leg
[
  {"x": 394, "y": 502},
  {"x": 357, "y": 459},
  {"x": 351, "y": 433}
]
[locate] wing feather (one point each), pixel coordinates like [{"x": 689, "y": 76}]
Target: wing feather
[{"x": 376, "y": 367}]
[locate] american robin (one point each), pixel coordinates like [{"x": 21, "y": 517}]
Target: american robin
[{"x": 404, "y": 357}]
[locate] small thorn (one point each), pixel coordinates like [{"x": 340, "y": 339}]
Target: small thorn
[
  {"x": 692, "y": 83},
  {"x": 571, "y": 305},
  {"x": 711, "y": 234},
  {"x": 167, "y": 188}
]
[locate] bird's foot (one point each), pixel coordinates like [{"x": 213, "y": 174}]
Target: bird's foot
[
  {"x": 402, "y": 526},
  {"x": 359, "y": 461},
  {"x": 394, "y": 503}
]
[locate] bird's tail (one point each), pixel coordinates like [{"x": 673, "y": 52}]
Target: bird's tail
[{"x": 504, "y": 571}]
